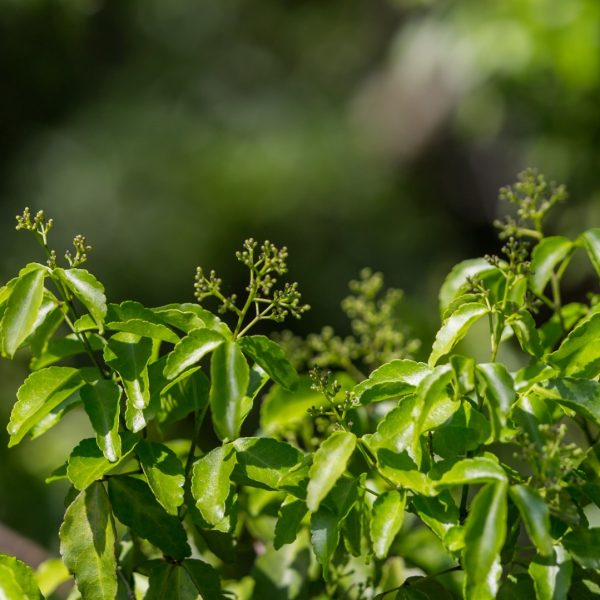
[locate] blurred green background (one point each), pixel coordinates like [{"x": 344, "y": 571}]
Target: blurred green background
[{"x": 358, "y": 133}]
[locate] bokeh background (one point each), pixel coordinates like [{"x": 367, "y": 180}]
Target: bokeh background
[{"x": 358, "y": 133}]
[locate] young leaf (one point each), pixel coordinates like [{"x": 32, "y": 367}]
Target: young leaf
[
  {"x": 164, "y": 473},
  {"x": 230, "y": 376},
  {"x": 324, "y": 536},
  {"x": 271, "y": 358},
  {"x": 87, "y": 463},
  {"x": 87, "y": 289},
  {"x": 546, "y": 256},
  {"x": 41, "y": 392},
  {"x": 22, "y": 308},
  {"x": 190, "y": 350},
  {"x": 211, "y": 484},
  {"x": 535, "y": 515},
  {"x": 480, "y": 469},
  {"x": 133, "y": 317},
  {"x": 129, "y": 354},
  {"x": 552, "y": 577},
  {"x": 499, "y": 393},
  {"x": 290, "y": 516},
  {"x": 454, "y": 328},
  {"x": 395, "y": 379},
  {"x": 329, "y": 463},
  {"x": 101, "y": 403},
  {"x": 136, "y": 507},
  {"x": 386, "y": 521},
  {"x": 590, "y": 240},
  {"x": 579, "y": 354},
  {"x": 262, "y": 462},
  {"x": 485, "y": 531},
  {"x": 87, "y": 544},
  {"x": 17, "y": 581}
]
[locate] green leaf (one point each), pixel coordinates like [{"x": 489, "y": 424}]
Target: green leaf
[
  {"x": 87, "y": 463},
  {"x": 87, "y": 544},
  {"x": 186, "y": 321},
  {"x": 17, "y": 581},
  {"x": 50, "y": 574},
  {"x": 262, "y": 462},
  {"x": 485, "y": 531},
  {"x": 101, "y": 403},
  {"x": 580, "y": 395},
  {"x": 546, "y": 256},
  {"x": 189, "y": 580},
  {"x": 282, "y": 409},
  {"x": 464, "y": 431},
  {"x": 271, "y": 358},
  {"x": 395, "y": 379},
  {"x": 128, "y": 354},
  {"x": 454, "y": 328},
  {"x": 324, "y": 537},
  {"x": 135, "y": 506},
  {"x": 535, "y": 515},
  {"x": 499, "y": 393},
  {"x": 190, "y": 350},
  {"x": 164, "y": 473},
  {"x": 70, "y": 345},
  {"x": 41, "y": 392},
  {"x": 230, "y": 375},
  {"x": 211, "y": 484},
  {"x": 49, "y": 320},
  {"x": 133, "y": 317},
  {"x": 329, "y": 463},
  {"x": 457, "y": 278},
  {"x": 87, "y": 289},
  {"x": 590, "y": 240},
  {"x": 584, "y": 546},
  {"x": 524, "y": 328},
  {"x": 386, "y": 520},
  {"x": 204, "y": 577},
  {"x": 480, "y": 469},
  {"x": 22, "y": 308},
  {"x": 579, "y": 354},
  {"x": 440, "y": 514},
  {"x": 552, "y": 577},
  {"x": 290, "y": 516},
  {"x": 187, "y": 395}
]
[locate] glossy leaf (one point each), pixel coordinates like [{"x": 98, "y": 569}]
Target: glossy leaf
[
  {"x": 552, "y": 577},
  {"x": 135, "y": 506},
  {"x": 546, "y": 256},
  {"x": 329, "y": 463},
  {"x": 65, "y": 347},
  {"x": 485, "y": 531},
  {"x": 22, "y": 307},
  {"x": 41, "y": 392},
  {"x": 129, "y": 354},
  {"x": 464, "y": 431},
  {"x": 186, "y": 581},
  {"x": 17, "y": 581},
  {"x": 536, "y": 516},
  {"x": 87, "y": 544},
  {"x": 580, "y": 395},
  {"x": 134, "y": 317},
  {"x": 525, "y": 330},
  {"x": 440, "y": 513},
  {"x": 211, "y": 484},
  {"x": 454, "y": 328},
  {"x": 324, "y": 537},
  {"x": 271, "y": 358},
  {"x": 190, "y": 350},
  {"x": 101, "y": 403},
  {"x": 164, "y": 473},
  {"x": 590, "y": 240},
  {"x": 395, "y": 379},
  {"x": 499, "y": 392},
  {"x": 579, "y": 354},
  {"x": 262, "y": 462},
  {"x": 50, "y": 317},
  {"x": 386, "y": 520},
  {"x": 457, "y": 278},
  {"x": 87, "y": 463},
  {"x": 290, "y": 516},
  {"x": 230, "y": 377},
  {"x": 476, "y": 470},
  {"x": 584, "y": 546},
  {"x": 87, "y": 289}
]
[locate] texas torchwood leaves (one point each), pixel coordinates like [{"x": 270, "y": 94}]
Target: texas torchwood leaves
[{"x": 469, "y": 475}]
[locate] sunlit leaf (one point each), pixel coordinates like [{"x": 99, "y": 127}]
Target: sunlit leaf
[
  {"x": 190, "y": 350},
  {"x": 546, "y": 256},
  {"x": 536, "y": 516},
  {"x": 17, "y": 581},
  {"x": 271, "y": 358},
  {"x": 386, "y": 520}
]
